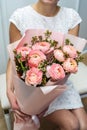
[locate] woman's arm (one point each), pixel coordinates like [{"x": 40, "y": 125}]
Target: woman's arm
[
  {"x": 75, "y": 31},
  {"x": 14, "y": 35}
]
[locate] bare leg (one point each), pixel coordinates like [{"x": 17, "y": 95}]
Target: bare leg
[
  {"x": 65, "y": 120},
  {"x": 82, "y": 117}
]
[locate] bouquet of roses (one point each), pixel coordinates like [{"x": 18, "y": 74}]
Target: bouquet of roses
[
  {"x": 44, "y": 59},
  {"x": 40, "y": 58}
]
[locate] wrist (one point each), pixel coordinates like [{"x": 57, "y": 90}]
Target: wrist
[{"x": 9, "y": 91}]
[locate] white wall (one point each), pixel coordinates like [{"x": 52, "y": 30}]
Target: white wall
[
  {"x": 70, "y": 3},
  {"x": 83, "y": 13},
  {"x": 2, "y": 46}
]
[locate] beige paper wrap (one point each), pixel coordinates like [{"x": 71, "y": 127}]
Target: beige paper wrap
[{"x": 34, "y": 100}]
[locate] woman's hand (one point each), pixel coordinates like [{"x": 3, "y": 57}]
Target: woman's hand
[
  {"x": 12, "y": 99},
  {"x": 18, "y": 115}
]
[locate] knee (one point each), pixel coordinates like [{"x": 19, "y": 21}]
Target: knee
[
  {"x": 83, "y": 125},
  {"x": 84, "y": 128},
  {"x": 75, "y": 125},
  {"x": 72, "y": 125}
]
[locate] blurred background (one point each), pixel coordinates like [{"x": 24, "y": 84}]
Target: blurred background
[{"x": 8, "y": 6}]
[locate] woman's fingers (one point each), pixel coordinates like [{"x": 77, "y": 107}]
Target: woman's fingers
[
  {"x": 62, "y": 86},
  {"x": 18, "y": 119},
  {"x": 60, "y": 89},
  {"x": 20, "y": 116}
]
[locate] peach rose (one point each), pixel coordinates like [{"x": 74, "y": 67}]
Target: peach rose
[
  {"x": 24, "y": 52},
  {"x": 59, "y": 55},
  {"x": 56, "y": 71},
  {"x": 43, "y": 46},
  {"x": 70, "y": 65},
  {"x": 35, "y": 57},
  {"x": 33, "y": 77},
  {"x": 70, "y": 50}
]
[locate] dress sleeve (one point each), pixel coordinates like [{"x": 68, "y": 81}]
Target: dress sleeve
[
  {"x": 15, "y": 18},
  {"x": 74, "y": 19}
]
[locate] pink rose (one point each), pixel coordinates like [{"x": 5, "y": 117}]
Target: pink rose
[
  {"x": 56, "y": 71},
  {"x": 33, "y": 77},
  {"x": 59, "y": 55},
  {"x": 70, "y": 50},
  {"x": 35, "y": 57},
  {"x": 43, "y": 46},
  {"x": 24, "y": 52},
  {"x": 70, "y": 65}
]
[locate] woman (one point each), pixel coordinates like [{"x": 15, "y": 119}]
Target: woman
[{"x": 67, "y": 110}]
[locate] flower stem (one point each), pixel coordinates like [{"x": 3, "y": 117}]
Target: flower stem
[{"x": 22, "y": 66}]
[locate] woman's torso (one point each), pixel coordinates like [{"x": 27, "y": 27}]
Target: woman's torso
[{"x": 27, "y": 18}]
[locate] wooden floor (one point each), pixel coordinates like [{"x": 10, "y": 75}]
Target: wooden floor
[
  {"x": 2, "y": 120},
  {"x": 84, "y": 100}
]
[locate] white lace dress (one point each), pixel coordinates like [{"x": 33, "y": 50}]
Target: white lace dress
[{"x": 67, "y": 18}]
